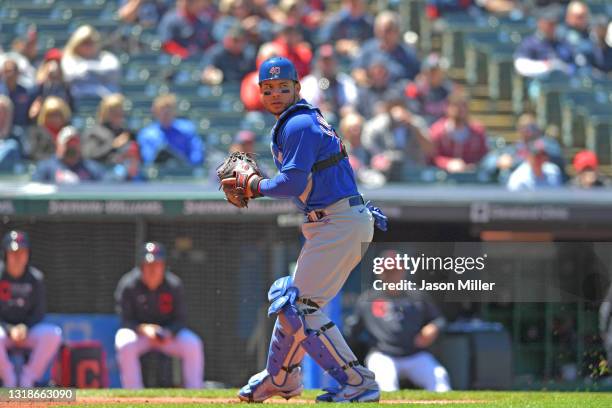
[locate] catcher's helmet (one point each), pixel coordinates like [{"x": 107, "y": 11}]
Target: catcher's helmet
[
  {"x": 277, "y": 68},
  {"x": 153, "y": 251},
  {"x": 14, "y": 240}
]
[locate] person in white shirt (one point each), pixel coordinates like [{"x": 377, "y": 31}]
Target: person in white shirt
[{"x": 536, "y": 171}]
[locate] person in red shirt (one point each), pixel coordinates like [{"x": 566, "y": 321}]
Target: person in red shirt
[
  {"x": 460, "y": 143},
  {"x": 290, "y": 44}
]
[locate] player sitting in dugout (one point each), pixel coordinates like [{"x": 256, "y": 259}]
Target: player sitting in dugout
[
  {"x": 151, "y": 304},
  {"x": 22, "y": 309},
  {"x": 399, "y": 327}
]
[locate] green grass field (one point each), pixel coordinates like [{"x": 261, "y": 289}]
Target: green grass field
[{"x": 409, "y": 398}]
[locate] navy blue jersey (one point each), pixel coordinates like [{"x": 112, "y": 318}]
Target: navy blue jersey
[{"x": 301, "y": 138}]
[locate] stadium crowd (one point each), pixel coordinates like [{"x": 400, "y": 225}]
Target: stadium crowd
[{"x": 396, "y": 107}]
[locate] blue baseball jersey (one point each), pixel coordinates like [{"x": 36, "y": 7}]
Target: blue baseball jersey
[{"x": 302, "y": 137}]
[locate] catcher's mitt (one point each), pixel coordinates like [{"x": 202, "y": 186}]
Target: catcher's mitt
[{"x": 239, "y": 175}]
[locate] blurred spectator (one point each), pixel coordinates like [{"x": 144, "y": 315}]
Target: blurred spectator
[
  {"x": 576, "y": 32},
  {"x": 428, "y": 93},
  {"x": 67, "y": 166},
  {"x": 459, "y": 141},
  {"x": 18, "y": 94},
  {"x": 170, "y": 138},
  {"x": 110, "y": 143},
  {"x": 402, "y": 61},
  {"x": 348, "y": 28},
  {"x": 147, "y": 13},
  {"x": 23, "y": 52},
  {"x": 437, "y": 8},
  {"x": 50, "y": 82},
  {"x": 242, "y": 12},
  {"x": 11, "y": 137},
  {"x": 89, "y": 70},
  {"x": 536, "y": 171},
  {"x": 500, "y": 163},
  {"x": 587, "y": 175},
  {"x": 230, "y": 60},
  {"x": 543, "y": 52},
  {"x": 602, "y": 50},
  {"x": 54, "y": 115},
  {"x": 299, "y": 14},
  {"x": 399, "y": 326},
  {"x": 249, "y": 88},
  {"x": 371, "y": 98},
  {"x": 185, "y": 31},
  {"x": 291, "y": 45},
  {"x": 351, "y": 128},
  {"x": 397, "y": 139},
  {"x": 328, "y": 88}
]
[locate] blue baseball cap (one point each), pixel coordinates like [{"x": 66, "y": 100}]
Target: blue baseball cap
[{"x": 277, "y": 68}]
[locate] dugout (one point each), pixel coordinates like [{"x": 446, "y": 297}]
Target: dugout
[{"x": 85, "y": 237}]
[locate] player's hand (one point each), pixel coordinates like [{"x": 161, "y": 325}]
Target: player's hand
[
  {"x": 19, "y": 333},
  {"x": 504, "y": 162},
  {"x": 149, "y": 330},
  {"x": 426, "y": 336},
  {"x": 456, "y": 166}
]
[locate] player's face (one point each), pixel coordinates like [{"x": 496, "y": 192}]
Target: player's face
[
  {"x": 153, "y": 274},
  {"x": 278, "y": 94},
  {"x": 16, "y": 261}
]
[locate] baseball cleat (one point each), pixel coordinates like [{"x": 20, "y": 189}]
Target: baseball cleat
[
  {"x": 348, "y": 393},
  {"x": 260, "y": 387}
]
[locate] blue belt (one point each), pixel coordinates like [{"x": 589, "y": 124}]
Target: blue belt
[{"x": 317, "y": 215}]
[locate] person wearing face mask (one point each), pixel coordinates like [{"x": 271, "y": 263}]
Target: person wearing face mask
[
  {"x": 22, "y": 309},
  {"x": 68, "y": 166},
  {"x": 459, "y": 142},
  {"x": 536, "y": 172},
  {"x": 151, "y": 304}
]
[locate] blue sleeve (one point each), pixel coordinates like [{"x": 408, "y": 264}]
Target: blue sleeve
[
  {"x": 41, "y": 174},
  {"x": 299, "y": 142},
  {"x": 149, "y": 147},
  {"x": 285, "y": 184}
]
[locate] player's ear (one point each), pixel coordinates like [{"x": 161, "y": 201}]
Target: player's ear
[{"x": 298, "y": 88}]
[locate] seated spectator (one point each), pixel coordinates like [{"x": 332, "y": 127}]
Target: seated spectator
[
  {"x": 110, "y": 143},
  {"x": 348, "y": 28},
  {"x": 399, "y": 326},
  {"x": 146, "y": 13},
  {"x": 68, "y": 166},
  {"x": 500, "y": 163},
  {"x": 11, "y": 137},
  {"x": 351, "y": 128},
  {"x": 50, "y": 82},
  {"x": 438, "y": 8},
  {"x": 54, "y": 116},
  {"x": 150, "y": 301},
  {"x": 89, "y": 70},
  {"x": 230, "y": 60},
  {"x": 435, "y": 9},
  {"x": 23, "y": 52},
  {"x": 460, "y": 143},
  {"x": 428, "y": 93},
  {"x": 249, "y": 88},
  {"x": 326, "y": 87},
  {"x": 168, "y": 138},
  {"x": 401, "y": 59},
  {"x": 576, "y": 32},
  {"x": 185, "y": 31},
  {"x": 18, "y": 94},
  {"x": 397, "y": 139},
  {"x": 587, "y": 175},
  {"x": 543, "y": 52},
  {"x": 536, "y": 171},
  {"x": 380, "y": 89},
  {"x": 258, "y": 28},
  {"x": 290, "y": 44},
  {"x": 602, "y": 50},
  {"x": 299, "y": 14}
]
